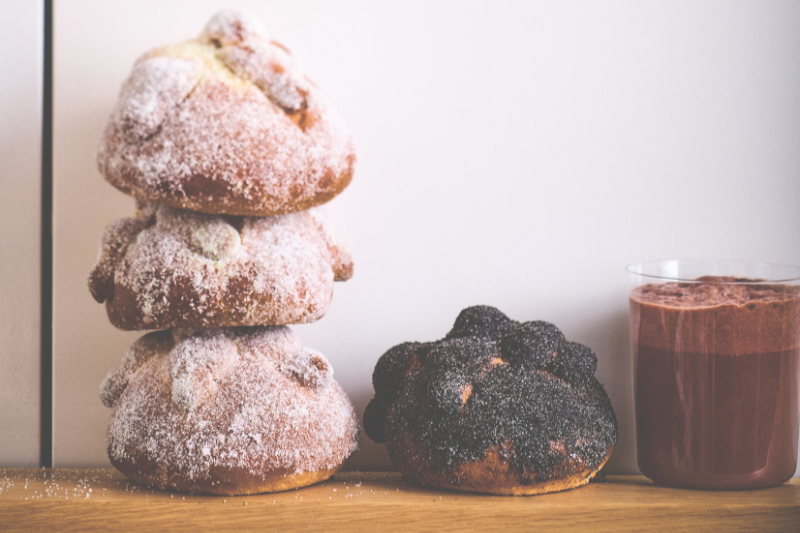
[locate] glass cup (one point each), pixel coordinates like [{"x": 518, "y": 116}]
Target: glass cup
[{"x": 716, "y": 365}]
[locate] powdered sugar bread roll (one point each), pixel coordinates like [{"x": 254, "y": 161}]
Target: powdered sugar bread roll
[
  {"x": 227, "y": 411},
  {"x": 170, "y": 268},
  {"x": 226, "y": 123}
]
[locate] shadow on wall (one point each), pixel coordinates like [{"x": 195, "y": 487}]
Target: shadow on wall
[
  {"x": 370, "y": 456},
  {"x": 608, "y": 336}
]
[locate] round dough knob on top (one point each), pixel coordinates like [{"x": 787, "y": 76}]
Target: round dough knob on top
[
  {"x": 226, "y": 123},
  {"x": 227, "y": 411},
  {"x": 171, "y": 268}
]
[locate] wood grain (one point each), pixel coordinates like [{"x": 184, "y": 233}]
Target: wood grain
[{"x": 81, "y": 500}]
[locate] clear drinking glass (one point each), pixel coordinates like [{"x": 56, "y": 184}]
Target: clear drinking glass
[{"x": 716, "y": 366}]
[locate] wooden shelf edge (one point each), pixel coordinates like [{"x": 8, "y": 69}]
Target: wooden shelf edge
[{"x": 86, "y": 499}]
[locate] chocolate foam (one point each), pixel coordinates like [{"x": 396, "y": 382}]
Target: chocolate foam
[{"x": 716, "y": 314}]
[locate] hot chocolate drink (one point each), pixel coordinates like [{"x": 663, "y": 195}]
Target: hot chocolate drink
[{"x": 716, "y": 371}]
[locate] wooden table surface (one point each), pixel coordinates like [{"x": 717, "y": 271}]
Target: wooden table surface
[{"x": 102, "y": 499}]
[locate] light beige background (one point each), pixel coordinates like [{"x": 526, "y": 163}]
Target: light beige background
[
  {"x": 517, "y": 154},
  {"x": 21, "y": 28}
]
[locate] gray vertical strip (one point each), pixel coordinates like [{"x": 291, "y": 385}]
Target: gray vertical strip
[{"x": 46, "y": 454}]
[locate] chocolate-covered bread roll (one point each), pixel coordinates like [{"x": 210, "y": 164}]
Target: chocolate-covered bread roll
[{"x": 496, "y": 406}]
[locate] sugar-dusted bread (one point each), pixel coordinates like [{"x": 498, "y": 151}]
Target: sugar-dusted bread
[
  {"x": 227, "y": 411},
  {"x": 496, "y": 406},
  {"x": 226, "y": 123},
  {"x": 171, "y": 268}
]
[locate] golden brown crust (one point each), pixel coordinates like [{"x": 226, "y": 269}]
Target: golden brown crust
[
  {"x": 491, "y": 475},
  {"x": 125, "y": 312},
  {"x": 221, "y": 481},
  {"x": 205, "y": 194}
]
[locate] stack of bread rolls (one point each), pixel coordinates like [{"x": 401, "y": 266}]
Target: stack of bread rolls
[{"x": 229, "y": 151}]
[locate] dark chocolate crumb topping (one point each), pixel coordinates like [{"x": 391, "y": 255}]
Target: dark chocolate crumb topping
[
  {"x": 481, "y": 321},
  {"x": 494, "y": 383}
]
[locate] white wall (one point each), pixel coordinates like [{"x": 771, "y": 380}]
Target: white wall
[
  {"x": 22, "y": 35},
  {"x": 517, "y": 154}
]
